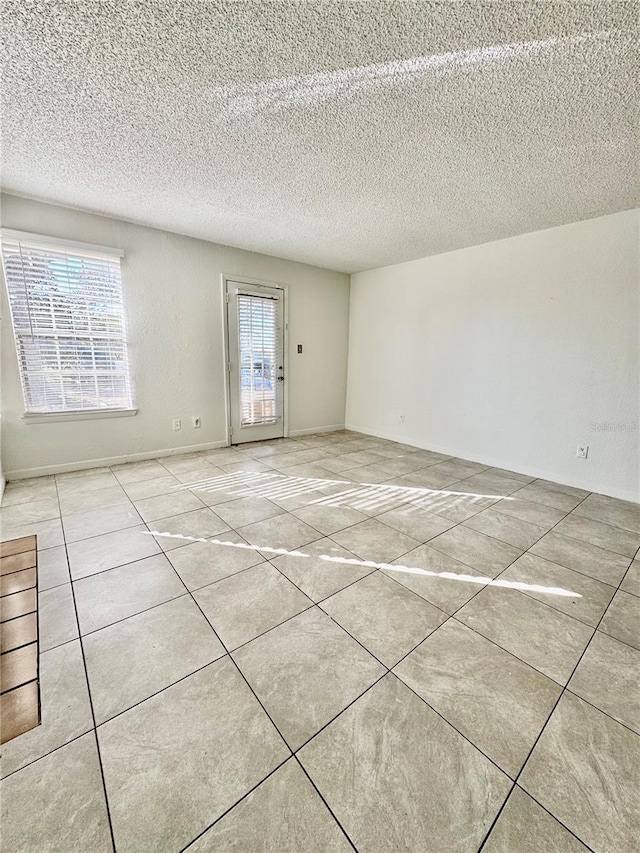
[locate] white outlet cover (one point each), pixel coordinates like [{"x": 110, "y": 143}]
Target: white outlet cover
[{"x": 582, "y": 451}]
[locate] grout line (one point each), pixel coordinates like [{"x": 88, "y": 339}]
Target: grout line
[
  {"x": 242, "y": 675},
  {"x": 557, "y": 702},
  {"x": 389, "y": 670},
  {"x": 319, "y": 793},
  {"x": 89, "y": 694},
  {"x": 322, "y": 536},
  {"x": 232, "y": 807}
]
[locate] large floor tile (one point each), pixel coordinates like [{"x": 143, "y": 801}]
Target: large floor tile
[
  {"x": 364, "y": 457},
  {"x": 622, "y": 619},
  {"x": 57, "y": 804},
  {"x": 161, "y": 485},
  {"x": 476, "y": 550},
  {"x": 608, "y": 676},
  {"x": 386, "y": 617},
  {"x": 432, "y": 477},
  {"x": 244, "y": 511},
  {"x": 456, "y": 505},
  {"x": 118, "y": 593},
  {"x": 437, "y": 577},
  {"x": 220, "y": 487},
  {"x": 514, "y": 531},
  {"x": 30, "y": 513},
  {"x": 463, "y": 468},
  {"x": 321, "y": 568},
  {"x": 525, "y": 827},
  {"x": 95, "y": 499},
  {"x": 53, "y": 567},
  {"x": 96, "y": 482},
  {"x": 339, "y": 464},
  {"x": 136, "y": 472},
  {"x": 452, "y": 470},
  {"x": 185, "y": 463},
  {"x": 244, "y": 466},
  {"x": 130, "y": 660},
  {"x": 223, "y": 456},
  {"x": 537, "y": 634},
  {"x": 608, "y": 510},
  {"x": 164, "y": 506},
  {"x": 538, "y": 493},
  {"x": 96, "y": 522},
  {"x": 329, "y": 519},
  {"x": 285, "y": 531},
  {"x": 283, "y": 814},
  {"x": 551, "y": 583},
  {"x": 372, "y": 540},
  {"x": 176, "y": 762},
  {"x": 631, "y": 582},
  {"x": 585, "y": 770},
  {"x": 90, "y": 556},
  {"x": 26, "y": 491},
  {"x": 249, "y": 603},
  {"x": 368, "y": 477},
  {"x": 398, "y": 777},
  {"x": 49, "y": 533},
  {"x": 65, "y": 708},
  {"x": 491, "y": 697},
  {"x": 307, "y": 471},
  {"x": 603, "y": 535},
  {"x": 179, "y": 530},
  {"x": 201, "y": 478},
  {"x": 305, "y": 672},
  {"x": 416, "y": 522},
  {"x": 582, "y": 557},
  {"x": 491, "y": 483},
  {"x": 56, "y": 617},
  {"x": 573, "y": 491},
  {"x": 202, "y": 563},
  {"x": 530, "y": 511}
]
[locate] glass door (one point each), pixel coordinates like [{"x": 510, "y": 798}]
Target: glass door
[{"x": 255, "y": 322}]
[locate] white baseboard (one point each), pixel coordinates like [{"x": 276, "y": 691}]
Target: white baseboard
[
  {"x": 63, "y": 468},
  {"x": 543, "y": 474},
  {"x": 313, "y": 430}
]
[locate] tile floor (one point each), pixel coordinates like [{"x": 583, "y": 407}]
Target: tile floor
[{"x": 324, "y": 644}]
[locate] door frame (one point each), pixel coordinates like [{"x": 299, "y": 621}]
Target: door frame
[{"x": 243, "y": 279}]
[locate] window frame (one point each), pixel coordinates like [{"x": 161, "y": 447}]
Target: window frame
[{"x": 35, "y": 240}]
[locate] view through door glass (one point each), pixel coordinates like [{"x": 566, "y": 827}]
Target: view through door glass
[{"x": 256, "y": 345}]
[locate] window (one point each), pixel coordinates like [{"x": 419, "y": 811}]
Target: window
[
  {"x": 69, "y": 325},
  {"x": 258, "y": 338}
]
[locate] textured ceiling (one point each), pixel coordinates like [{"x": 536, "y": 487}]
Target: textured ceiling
[{"x": 344, "y": 134}]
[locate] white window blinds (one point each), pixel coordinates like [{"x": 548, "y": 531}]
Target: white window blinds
[
  {"x": 69, "y": 324},
  {"x": 258, "y": 335}
]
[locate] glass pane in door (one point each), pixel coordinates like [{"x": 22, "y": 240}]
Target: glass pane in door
[{"x": 258, "y": 355}]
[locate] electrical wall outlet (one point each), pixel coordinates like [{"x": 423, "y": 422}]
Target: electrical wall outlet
[
  {"x": 401, "y": 419},
  {"x": 177, "y": 424},
  {"x": 196, "y": 420},
  {"x": 582, "y": 451}
]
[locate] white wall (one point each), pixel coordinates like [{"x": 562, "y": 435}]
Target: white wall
[
  {"x": 172, "y": 288},
  {"x": 508, "y": 352}
]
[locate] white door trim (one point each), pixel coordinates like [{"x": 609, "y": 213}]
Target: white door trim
[{"x": 243, "y": 279}]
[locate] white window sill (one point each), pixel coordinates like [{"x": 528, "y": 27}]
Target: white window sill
[{"x": 93, "y": 414}]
